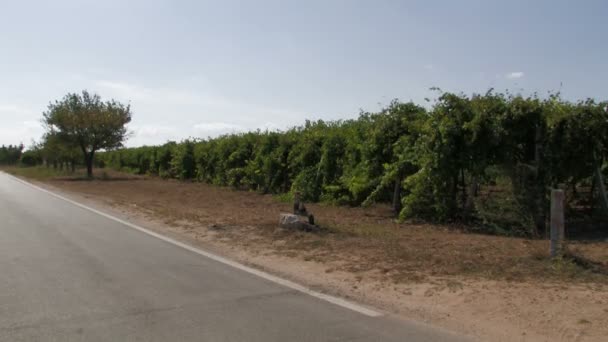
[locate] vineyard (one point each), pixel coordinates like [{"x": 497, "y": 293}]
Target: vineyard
[{"x": 487, "y": 161}]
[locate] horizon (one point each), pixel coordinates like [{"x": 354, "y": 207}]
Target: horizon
[{"x": 201, "y": 70}]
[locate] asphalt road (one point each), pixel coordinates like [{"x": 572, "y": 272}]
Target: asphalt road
[{"x": 68, "y": 274}]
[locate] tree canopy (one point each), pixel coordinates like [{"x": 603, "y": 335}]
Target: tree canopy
[{"x": 86, "y": 122}]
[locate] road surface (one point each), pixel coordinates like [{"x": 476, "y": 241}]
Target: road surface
[{"x": 69, "y": 274}]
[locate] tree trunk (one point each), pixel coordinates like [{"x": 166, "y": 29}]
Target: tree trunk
[
  {"x": 453, "y": 206},
  {"x": 469, "y": 205},
  {"x": 397, "y": 194},
  {"x": 90, "y": 167},
  {"x": 464, "y": 189},
  {"x": 592, "y": 195},
  {"x": 88, "y": 161}
]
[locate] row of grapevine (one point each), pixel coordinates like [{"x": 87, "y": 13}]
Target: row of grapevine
[{"x": 488, "y": 158}]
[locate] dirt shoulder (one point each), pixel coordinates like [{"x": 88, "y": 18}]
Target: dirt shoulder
[{"x": 492, "y": 288}]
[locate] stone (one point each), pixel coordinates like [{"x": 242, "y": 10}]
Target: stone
[
  {"x": 291, "y": 221},
  {"x": 288, "y": 219}
]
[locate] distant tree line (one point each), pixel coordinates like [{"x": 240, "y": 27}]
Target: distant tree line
[
  {"x": 488, "y": 159},
  {"x": 10, "y": 155}
]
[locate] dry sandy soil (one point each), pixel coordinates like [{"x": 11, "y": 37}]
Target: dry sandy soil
[{"x": 491, "y": 288}]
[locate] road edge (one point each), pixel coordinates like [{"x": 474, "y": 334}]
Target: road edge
[{"x": 364, "y": 310}]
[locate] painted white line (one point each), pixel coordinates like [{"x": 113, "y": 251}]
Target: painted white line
[{"x": 334, "y": 300}]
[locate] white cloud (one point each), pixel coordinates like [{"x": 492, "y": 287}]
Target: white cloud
[
  {"x": 214, "y": 129},
  {"x": 33, "y": 125},
  {"x": 429, "y": 67},
  {"x": 174, "y": 113},
  {"x": 8, "y": 108},
  {"x": 22, "y": 132},
  {"x": 118, "y": 87},
  {"x": 183, "y": 108},
  {"x": 152, "y": 134},
  {"x": 136, "y": 93},
  {"x": 217, "y": 127},
  {"x": 515, "y": 75},
  {"x": 201, "y": 98},
  {"x": 14, "y": 109},
  {"x": 154, "y": 130},
  {"x": 19, "y": 124}
]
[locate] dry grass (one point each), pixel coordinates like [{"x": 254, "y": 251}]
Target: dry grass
[
  {"x": 367, "y": 241},
  {"x": 39, "y": 173},
  {"x": 42, "y": 173}
]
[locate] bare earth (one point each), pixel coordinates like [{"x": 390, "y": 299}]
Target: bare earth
[{"x": 492, "y": 288}]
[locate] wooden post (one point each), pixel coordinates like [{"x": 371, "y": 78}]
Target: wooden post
[
  {"x": 296, "y": 202},
  {"x": 557, "y": 222},
  {"x": 601, "y": 189},
  {"x": 397, "y": 195}
]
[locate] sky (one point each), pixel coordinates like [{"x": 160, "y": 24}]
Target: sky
[{"x": 204, "y": 68}]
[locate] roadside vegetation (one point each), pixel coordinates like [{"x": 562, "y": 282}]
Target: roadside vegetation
[
  {"x": 486, "y": 162},
  {"x": 440, "y": 211},
  {"x": 10, "y": 155},
  {"x": 480, "y": 163},
  {"x": 40, "y": 173}
]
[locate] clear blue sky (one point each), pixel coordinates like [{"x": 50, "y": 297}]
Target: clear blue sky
[{"x": 198, "y": 68}]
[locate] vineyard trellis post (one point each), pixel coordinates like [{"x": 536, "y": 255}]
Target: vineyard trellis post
[
  {"x": 557, "y": 222},
  {"x": 601, "y": 189}
]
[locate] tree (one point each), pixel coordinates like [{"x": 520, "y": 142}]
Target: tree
[
  {"x": 86, "y": 122},
  {"x": 55, "y": 152},
  {"x": 10, "y": 155}
]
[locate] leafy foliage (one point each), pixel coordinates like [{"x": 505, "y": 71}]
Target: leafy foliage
[
  {"x": 10, "y": 155},
  {"x": 488, "y": 159},
  {"x": 84, "y": 121}
]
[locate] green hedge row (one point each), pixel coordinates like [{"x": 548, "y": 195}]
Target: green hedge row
[{"x": 436, "y": 162}]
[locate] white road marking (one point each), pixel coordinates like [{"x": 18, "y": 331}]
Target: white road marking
[{"x": 334, "y": 300}]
